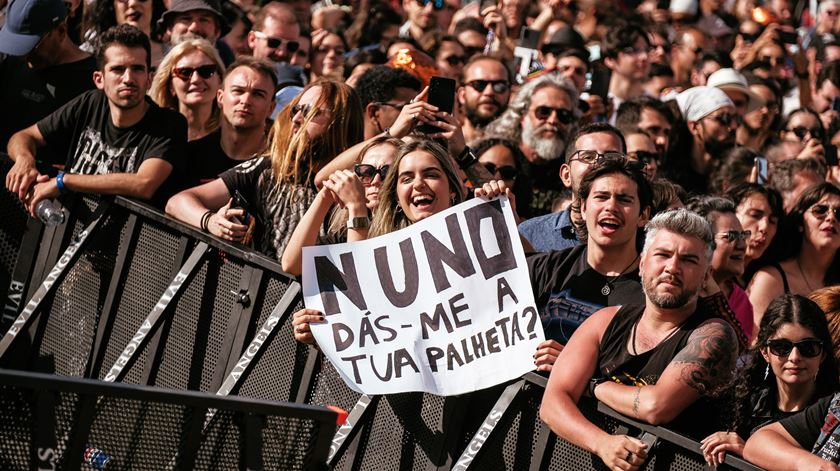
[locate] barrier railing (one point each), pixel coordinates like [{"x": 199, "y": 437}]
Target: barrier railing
[{"x": 121, "y": 293}]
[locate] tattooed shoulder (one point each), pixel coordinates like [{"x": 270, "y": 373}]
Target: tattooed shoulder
[{"x": 708, "y": 359}]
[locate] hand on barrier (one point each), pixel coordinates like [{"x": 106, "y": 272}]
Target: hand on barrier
[
  {"x": 546, "y": 354},
  {"x": 715, "y": 446},
  {"x": 346, "y": 189},
  {"x": 21, "y": 177},
  {"x": 45, "y": 188},
  {"x": 300, "y": 324},
  {"x": 621, "y": 452},
  {"x": 224, "y": 225}
]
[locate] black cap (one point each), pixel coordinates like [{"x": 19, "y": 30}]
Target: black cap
[{"x": 183, "y": 6}]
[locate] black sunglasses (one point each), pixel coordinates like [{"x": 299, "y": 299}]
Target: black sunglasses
[
  {"x": 499, "y": 86},
  {"x": 732, "y": 236},
  {"x": 544, "y": 112},
  {"x": 644, "y": 156},
  {"x": 506, "y": 172},
  {"x": 367, "y": 172},
  {"x": 454, "y": 60},
  {"x": 186, "y": 73},
  {"x": 275, "y": 43},
  {"x": 726, "y": 119},
  {"x": 821, "y": 211},
  {"x": 473, "y": 50},
  {"x": 802, "y": 131},
  {"x": 305, "y": 109},
  {"x": 808, "y": 348}
]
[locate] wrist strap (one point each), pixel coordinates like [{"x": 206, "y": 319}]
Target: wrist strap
[
  {"x": 205, "y": 220},
  {"x": 59, "y": 182},
  {"x": 466, "y": 158}
]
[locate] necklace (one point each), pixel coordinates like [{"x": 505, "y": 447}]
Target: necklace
[
  {"x": 633, "y": 335},
  {"x": 810, "y": 290},
  {"x": 607, "y": 289}
]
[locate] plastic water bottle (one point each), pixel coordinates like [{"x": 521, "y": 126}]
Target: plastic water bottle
[
  {"x": 50, "y": 212},
  {"x": 96, "y": 459}
]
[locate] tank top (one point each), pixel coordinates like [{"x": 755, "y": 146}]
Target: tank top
[{"x": 783, "y": 275}]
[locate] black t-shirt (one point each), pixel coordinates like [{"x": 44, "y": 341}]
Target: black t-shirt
[
  {"x": 544, "y": 183},
  {"x": 278, "y": 207},
  {"x": 27, "y": 95},
  {"x": 805, "y": 426},
  {"x": 205, "y": 160},
  {"x": 567, "y": 290}
]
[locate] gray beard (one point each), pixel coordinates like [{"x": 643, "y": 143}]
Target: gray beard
[{"x": 546, "y": 149}]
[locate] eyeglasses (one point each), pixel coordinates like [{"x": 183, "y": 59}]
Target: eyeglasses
[
  {"x": 305, "y": 109},
  {"x": 506, "y": 172},
  {"x": 643, "y": 156},
  {"x": 499, "y": 86},
  {"x": 186, "y": 73},
  {"x": 367, "y": 172},
  {"x": 809, "y": 348},
  {"x": 592, "y": 156},
  {"x": 727, "y": 119},
  {"x": 632, "y": 51},
  {"x": 802, "y": 131},
  {"x": 436, "y": 4},
  {"x": 733, "y": 236},
  {"x": 473, "y": 50},
  {"x": 774, "y": 61},
  {"x": 821, "y": 211},
  {"x": 455, "y": 60},
  {"x": 397, "y": 106},
  {"x": 275, "y": 43},
  {"x": 544, "y": 112}
]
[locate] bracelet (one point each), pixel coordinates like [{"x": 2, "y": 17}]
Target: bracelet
[
  {"x": 466, "y": 158},
  {"x": 594, "y": 382},
  {"x": 205, "y": 220},
  {"x": 59, "y": 182},
  {"x": 387, "y": 132}
]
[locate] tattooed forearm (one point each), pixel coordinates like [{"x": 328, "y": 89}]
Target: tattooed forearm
[{"x": 708, "y": 360}]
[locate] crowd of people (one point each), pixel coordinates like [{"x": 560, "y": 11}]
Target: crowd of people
[{"x": 672, "y": 164}]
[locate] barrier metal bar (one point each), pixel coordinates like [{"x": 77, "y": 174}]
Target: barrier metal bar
[
  {"x": 346, "y": 433},
  {"x": 53, "y": 279},
  {"x": 22, "y": 273}
]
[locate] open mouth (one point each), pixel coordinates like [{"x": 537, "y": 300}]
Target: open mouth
[
  {"x": 133, "y": 17},
  {"x": 423, "y": 202},
  {"x": 609, "y": 225}
]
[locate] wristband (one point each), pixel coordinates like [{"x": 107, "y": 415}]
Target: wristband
[
  {"x": 362, "y": 222},
  {"x": 594, "y": 382},
  {"x": 59, "y": 182},
  {"x": 466, "y": 158},
  {"x": 205, "y": 220}
]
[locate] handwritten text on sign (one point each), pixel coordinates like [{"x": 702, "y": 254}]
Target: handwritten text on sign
[{"x": 444, "y": 306}]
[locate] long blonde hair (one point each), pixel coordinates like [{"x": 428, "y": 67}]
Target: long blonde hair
[
  {"x": 296, "y": 158},
  {"x": 161, "y": 91},
  {"x": 389, "y": 215}
]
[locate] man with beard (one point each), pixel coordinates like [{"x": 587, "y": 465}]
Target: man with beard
[
  {"x": 422, "y": 18},
  {"x": 711, "y": 119},
  {"x": 483, "y": 95},
  {"x": 541, "y": 118},
  {"x": 657, "y": 362},
  {"x": 651, "y": 116},
  {"x": 569, "y": 285},
  {"x": 198, "y": 18},
  {"x": 116, "y": 140}
]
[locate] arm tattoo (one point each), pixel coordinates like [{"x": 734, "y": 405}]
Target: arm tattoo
[
  {"x": 636, "y": 402},
  {"x": 708, "y": 359}
]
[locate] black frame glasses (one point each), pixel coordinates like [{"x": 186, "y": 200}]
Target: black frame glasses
[
  {"x": 455, "y": 59},
  {"x": 544, "y": 112},
  {"x": 506, "y": 172},
  {"x": 727, "y": 119},
  {"x": 367, "y": 172},
  {"x": 821, "y": 211},
  {"x": 204, "y": 71},
  {"x": 644, "y": 156},
  {"x": 593, "y": 156},
  {"x": 275, "y": 43},
  {"x": 733, "y": 236},
  {"x": 802, "y": 131},
  {"x": 499, "y": 86},
  {"x": 809, "y": 348}
]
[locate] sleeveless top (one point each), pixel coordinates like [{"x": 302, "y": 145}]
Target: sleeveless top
[
  {"x": 783, "y": 275},
  {"x": 617, "y": 363}
]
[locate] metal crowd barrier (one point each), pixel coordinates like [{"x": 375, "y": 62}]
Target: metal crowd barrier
[{"x": 121, "y": 293}]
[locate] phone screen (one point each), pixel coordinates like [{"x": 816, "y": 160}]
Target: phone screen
[
  {"x": 442, "y": 95},
  {"x": 787, "y": 37},
  {"x": 761, "y": 165}
]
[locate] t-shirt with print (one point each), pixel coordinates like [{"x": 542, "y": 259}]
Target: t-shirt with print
[
  {"x": 278, "y": 207},
  {"x": 93, "y": 145}
]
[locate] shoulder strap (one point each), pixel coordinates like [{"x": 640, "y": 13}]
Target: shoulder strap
[{"x": 783, "y": 275}]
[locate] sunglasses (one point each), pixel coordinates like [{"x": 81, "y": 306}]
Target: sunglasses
[
  {"x": 186, "y": 73},
  {"x": 473, "y": 50},
  {"x": 436, "y": 4},
  {"x": 367, "y": 172},
  {"x": 821, "y": 211},
  {"x": 644, "y": 156},
  {"x": 499, "y": 86},
  {"x": 733, "y": 236},
  {"x": 275, "y": 43},
  {"x": 305, "y": 109},
  {"x": 802, "y": 131},
  {"x": 505, "y": 172},
  {"x": 773, "y": 61},
  {"x": 727, "y": 119},
  {"x": 807, "y": 348},
  {"x": 592, "y": 156},
  {"x": 544, "y": 112},
  {"x": 455, "y": 60}
]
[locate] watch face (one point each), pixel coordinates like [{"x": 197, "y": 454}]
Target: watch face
[{"x": 358, "y": 223}]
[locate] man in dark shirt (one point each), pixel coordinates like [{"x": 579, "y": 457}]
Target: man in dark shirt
[
  {"x": 652, "y": 362},
  {"x": 117, "y": 141},
  {"x": 40, "y": 66}
]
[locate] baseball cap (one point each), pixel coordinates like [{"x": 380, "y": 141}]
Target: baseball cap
[{"x": 26, "y": 23}]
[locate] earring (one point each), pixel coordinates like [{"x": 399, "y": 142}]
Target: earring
[
  {"x": 452, "y": 200},
  {"x": 399, "y": 209},
  {"x": 767, "y": 372}
]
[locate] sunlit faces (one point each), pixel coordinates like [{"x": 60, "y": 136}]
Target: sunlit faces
[
  {"x": 388, "y": 111},
  {"x": 265, "y": 43},
  {"x": 545, "y": 125},
  {"x": 483, "y": 106},
  {"x": 640, "y": 147},
  {"x": 329, "y": 56},
  {"x": 717, "y": 130},
  {"x": 728, "y": 258},
  {"x": 574, "y": 69},
  {"x": 756, "y": 216},
  {"x": 501, "y": 162},
  {"x": 657, "y": 127},
  {"x": 311, "y": 113},
  {"x": 761, "y": 118},
  {"x": 422, "y": 16},
  {"x": 804, "y": 121},
  {"x": 673, "y": 269},
  {"x": 377, "y": 156},
  {"x": 196, "y": 89},
  {"x": 134, "y": 12},
  {"x": 247, "y": 98},
  {"x": 422, "y": 186},
  {"x": 450, "y": 59},
  {"x": 125, "y": 77},
  {"x": 571, "y": 173},
  {"x": 612, "y": 211},
  {"x": 199, "y": 22},
  {"x": 821, "y": 226},
  {"x": 632, "y": 63},
  {"x": 793, "y": 368}
]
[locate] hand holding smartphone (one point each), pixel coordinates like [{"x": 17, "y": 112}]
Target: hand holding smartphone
[
  {"x": 441, "y": 94},
  {"x": 762, "y": 168}
]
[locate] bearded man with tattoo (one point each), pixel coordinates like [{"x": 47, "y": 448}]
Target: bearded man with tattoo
[{"x": 660, "y": 362}]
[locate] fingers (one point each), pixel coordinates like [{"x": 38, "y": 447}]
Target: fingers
[
  {"x": 300, "y": 324},
  {"x": 492, "y": 189}
]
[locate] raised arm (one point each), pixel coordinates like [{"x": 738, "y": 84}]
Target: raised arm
[{"x": 22, "y": 148}]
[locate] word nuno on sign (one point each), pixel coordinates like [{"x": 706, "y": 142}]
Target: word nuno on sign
[{"x": 415, "y": 310}]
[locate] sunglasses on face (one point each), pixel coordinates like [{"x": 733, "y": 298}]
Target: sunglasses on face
[
  {"x": 590, "y": 157},
  {"x": 275, "y": 43},
  {"x": 773, "y": 61},
  {"x": 186, "y": 73},
  {"x": 727, "y": 119},
  {"x": 821, "y": 211},
  {"x": 473, "y": 50},
  {"x": 305, "y": 109},
  {"x": 499, "y": 86},
  {"x": 436, "y": 4},
  {"x": 807, "y": 348},
  {"x": 643, "y": 156},
  {"x": 455, "y": 60},
  {"x": 733, "y": 236},
  {"x": 505, "y": 172},
  {"x": 802, "y": 131},
  {"x": 367, "y": 172},
  {"x": 544, "y": 112}
]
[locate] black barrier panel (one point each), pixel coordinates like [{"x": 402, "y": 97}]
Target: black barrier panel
[
  {"x": 47, "y": 421},
  {"x": 12, "y": 232}
]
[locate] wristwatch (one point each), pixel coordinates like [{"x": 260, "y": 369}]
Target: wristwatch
[
  {"x": 362, "y": 222},
  {"x": 466, "y": 158},
  {"x": 594, "y": 382}
]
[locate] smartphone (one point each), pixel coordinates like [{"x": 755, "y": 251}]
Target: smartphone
[
  {"x": 761, "y": 165},
  {"x": 835, "y": 103},
  {"x": 831, "y": 155},
  {"x": 530, "y": 38},
  {"x": 239, "y": 202},
  {"x": 442, "y": 95},
  {"x": 600, "y": 84},
  {"x": 787, "y": 37}
]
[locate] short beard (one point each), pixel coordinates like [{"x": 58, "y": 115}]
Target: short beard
[
  {"x": 666, "y": 301},
  {"x": 480, "y": 121},
  {"x": 717, "y": 149},
  {"x": 546, "y": 149}
]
